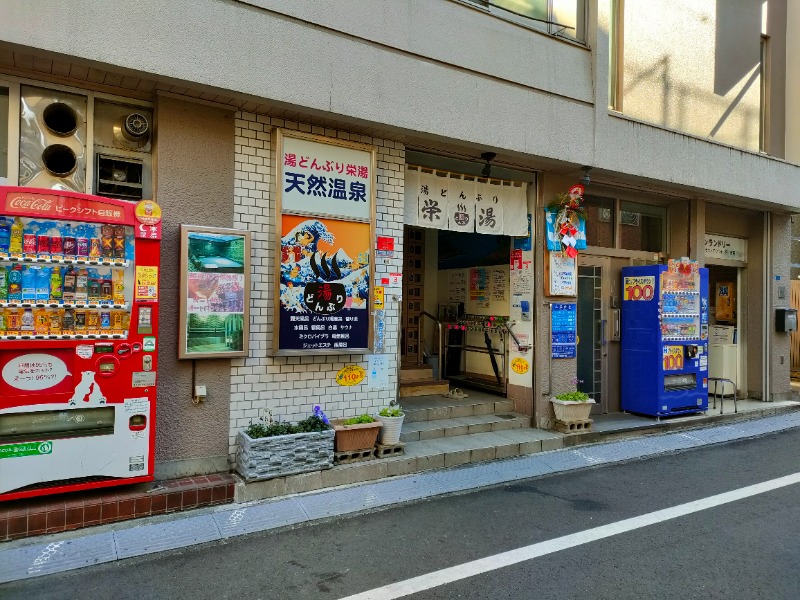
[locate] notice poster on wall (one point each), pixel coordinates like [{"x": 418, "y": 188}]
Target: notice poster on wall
[
  {"x": 457, "y": 285},
  {"x": 499, "y": 285},
  {"x": 325, "y": 192},
  {"x": 215, "y": 292},
  {"x": 563, "y": 329},
  {"x": 563, "y": 275}
]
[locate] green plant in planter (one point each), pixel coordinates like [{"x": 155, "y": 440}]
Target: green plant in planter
[
  {"x": 267, "y": 427},
  {"x": 365, "y": 418},
  {"x": 573, "y": 397},
  {"x": 391, "y": 411}
]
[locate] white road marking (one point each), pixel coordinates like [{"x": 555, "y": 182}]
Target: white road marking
[{"x": 512, "y": 557}]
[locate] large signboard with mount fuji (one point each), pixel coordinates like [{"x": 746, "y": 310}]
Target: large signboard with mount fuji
[{"x": 325, "y": 215}]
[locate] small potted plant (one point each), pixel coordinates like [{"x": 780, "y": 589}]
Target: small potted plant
[
  {"x": 572, "y": 406},
  {"x": 391, "y": 418},
  {"x": 269, "y": 448},
  {"x": 356, "y": 433}
]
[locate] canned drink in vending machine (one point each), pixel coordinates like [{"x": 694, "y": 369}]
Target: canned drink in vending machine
[
  {"x": 119, "y": 241},
  {"x": 105, "y": 320},
  {"x": 70, "y": 246},
  {"x": 68, "y": 322},
  {"x": 107, "y": 240},
  {"x": 29, "y": 243},
  {"x": 94, "y": 248},
  {"x": 56, "y": 248},
  {"x": 82, "y": 247},
  {"x": 118, "y": 322},
  {"x": 43, "y": 244}
]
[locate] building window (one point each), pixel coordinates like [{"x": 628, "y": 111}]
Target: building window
[
  {"x": 600, "y": 221},
  {"x": 763, "y": 138},
  {"x": 563, "y": 18},
  {"x": 615, "y": 61},
  {"x": 642, "y": 227},
  {"x": 3, "y": 134}
]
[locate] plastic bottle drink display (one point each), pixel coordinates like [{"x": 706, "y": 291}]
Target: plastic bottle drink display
[
  {"x": 70, "y": 279},
  {"x": 92, "y": 321},
  {"x": 43, "y": 284},
  {"x": 55, "y": 321},
  {"x": 2, "y": 321},
  {"x": 82, "y": 287},
  {"x": 118, "y": 287},
  {"x": 94, "y": 290},
  {"x": 15, "y": 241},
  {"x": 15, "y": 283},
  {"x": 3, "y": 284},
  {"x": 29, "y": 278},
  {"x": 56, "y": 294},
  {"x": 41, "y": 321},
  {"x": 27, "y": 320},
  {"x": 68, "y": 321},
  {"x": 5, "y": 235},
  {"x": 13, "y": 321},
  {"x": 80, "y": 321},
  {"x": 105, "y": 290}
]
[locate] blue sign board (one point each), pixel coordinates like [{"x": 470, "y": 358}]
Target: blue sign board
[{"x": 563, "y": 324}]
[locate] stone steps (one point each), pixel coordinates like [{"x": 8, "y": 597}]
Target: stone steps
[
  {"x": 419, "y": 456},
  {"x": 435, "y": 407},
  {"x": 428, "y": 430},
  {"x": 424, "y": 387}
]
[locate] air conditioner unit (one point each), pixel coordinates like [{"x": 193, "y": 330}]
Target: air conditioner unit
[
  {"x": 122, "y": 145},
  {"x": 52, "y": 149}
]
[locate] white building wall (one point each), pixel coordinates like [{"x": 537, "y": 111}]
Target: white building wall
[{"x": 290, "y": 387}]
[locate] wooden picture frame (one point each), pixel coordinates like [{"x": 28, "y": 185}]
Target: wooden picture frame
[{"x": 214, "y": 313}]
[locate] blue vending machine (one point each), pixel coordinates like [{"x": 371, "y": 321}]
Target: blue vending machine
[{"x": 664, "y": 339}]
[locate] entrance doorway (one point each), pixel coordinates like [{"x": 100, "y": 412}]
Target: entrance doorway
[
  {"x": 727, "y": 335},
  {"x": 592, "y": 351}
]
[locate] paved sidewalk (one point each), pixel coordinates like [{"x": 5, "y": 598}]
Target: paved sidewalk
[{"x": 27, "y": 558}]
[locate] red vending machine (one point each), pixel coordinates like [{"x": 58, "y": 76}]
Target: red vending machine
[{"x": 78, "y": 341}]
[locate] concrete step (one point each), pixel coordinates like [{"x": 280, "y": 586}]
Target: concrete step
[
  {"x": 419, "y": 456},
  {"x": 429, "y": 430},
  {"x": 416, "y": 373},
  {"x": 423, "y": 388},
  {"x": 435, "y": 407}
]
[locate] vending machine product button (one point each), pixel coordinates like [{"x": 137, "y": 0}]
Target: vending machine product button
[
  {"x": 136, "y": 347},
  {"x": 124, "y": 350}
]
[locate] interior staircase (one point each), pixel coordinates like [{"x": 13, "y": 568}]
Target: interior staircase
[{"x": 417, "y": 380}]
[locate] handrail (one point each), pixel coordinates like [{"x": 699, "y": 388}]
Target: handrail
[
  {"x": 521, "y": 347},
  {"x": 419, "y": 339}
]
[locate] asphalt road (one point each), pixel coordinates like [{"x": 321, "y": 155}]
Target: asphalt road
[{"x": 745, "y": 549}]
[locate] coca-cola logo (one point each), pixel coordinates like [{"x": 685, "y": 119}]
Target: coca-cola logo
[{"x": 31, "y": 203}]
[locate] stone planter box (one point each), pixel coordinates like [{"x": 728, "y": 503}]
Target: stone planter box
[
  {"x": 572, "y": 410},
  {"x": 360, "y": 436},
  {"x": 265, "y": 458}
]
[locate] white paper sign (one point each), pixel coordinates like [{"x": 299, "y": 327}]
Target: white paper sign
[
  {"x": 326, "y": 179},
  {"x": 563, "y": 276},
  {"x": 378, "y": 371},
  {"x": 457, "y": 285}
]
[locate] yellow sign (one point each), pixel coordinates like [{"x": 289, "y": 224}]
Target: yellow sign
[
  {"x": 639, "y": 288},
  {"x": 673, "y": 358},
  {"x": 350, "y": 375},
  {"x": 148, "y": 212},
  {"x": 146, "y": 286},
  {"x": 377, "y": 294},
  {"x": 520, "y": 365}
]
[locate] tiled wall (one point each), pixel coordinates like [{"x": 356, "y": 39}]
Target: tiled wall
[{"x": 291, "y": 386}]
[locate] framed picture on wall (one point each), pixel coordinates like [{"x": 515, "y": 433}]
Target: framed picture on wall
[{"x": 214, "y": 293}]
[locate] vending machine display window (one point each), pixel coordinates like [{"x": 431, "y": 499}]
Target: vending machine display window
[{"x": 75, "y": 272}]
